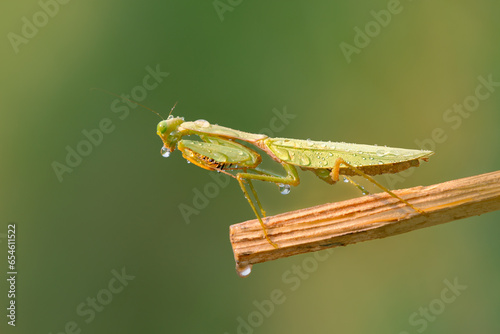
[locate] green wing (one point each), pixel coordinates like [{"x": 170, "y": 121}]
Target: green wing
[
  {"x": 201, "y": 127},
  {"x": 223, "y": 151},
  {"x": 319, "y": 154}
]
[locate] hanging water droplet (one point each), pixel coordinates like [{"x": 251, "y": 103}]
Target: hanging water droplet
[
  {"x": 165, "y": 152},
  {"x": 188, "y": 161},
  {"x": 284, "y": 188},
  {"x": 244, "y": 271},
  {"x": 346, "y": 180}
]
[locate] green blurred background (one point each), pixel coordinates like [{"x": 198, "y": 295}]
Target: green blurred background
[{"x": 233, "y": 65}]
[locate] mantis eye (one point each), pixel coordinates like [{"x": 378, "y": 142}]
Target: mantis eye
[{"x": 162, "y": 127}]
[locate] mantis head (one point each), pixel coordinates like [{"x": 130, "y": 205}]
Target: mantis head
[{"x": 169, "y": 134}]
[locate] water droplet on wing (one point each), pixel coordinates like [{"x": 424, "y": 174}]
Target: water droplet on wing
[
  {"x": 202, "y": 123},
  {"x": 282, "y": 154},
  {"x": 304, "y": 160}
]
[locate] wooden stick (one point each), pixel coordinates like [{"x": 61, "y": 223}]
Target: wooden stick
[{"x": 362, "y": 219}]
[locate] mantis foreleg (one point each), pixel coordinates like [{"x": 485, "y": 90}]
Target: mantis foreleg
[{"x": 292, "y": 179}]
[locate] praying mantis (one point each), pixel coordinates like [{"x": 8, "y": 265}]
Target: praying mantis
[{"x": 220, "y": 149}]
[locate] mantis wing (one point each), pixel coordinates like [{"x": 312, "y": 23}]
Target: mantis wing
[
  {"x": 224, "y": 153},
  {"x": 318, "y": 154}
]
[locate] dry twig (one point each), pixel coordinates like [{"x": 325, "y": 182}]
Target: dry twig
[{"x": 362, "y": 219}]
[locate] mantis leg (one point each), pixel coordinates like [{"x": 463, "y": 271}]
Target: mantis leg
[
  {"x": 335, "y": 176},
  {"x": 256, "y": 198},
  {"x": 292, "y": 178},
  {"x": 357, "y": 185},
  {"x": 261, "y": 172}
]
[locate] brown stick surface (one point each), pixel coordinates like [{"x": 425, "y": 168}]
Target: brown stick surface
[{"x": 364, "y": 218}]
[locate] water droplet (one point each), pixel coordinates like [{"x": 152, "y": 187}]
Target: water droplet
[
  {"x": 244, "y": 271},
  {"x": 346, "y": 180},
  {"x": 330, "y": 154},
  {"x": 220, "y": 157},
  {"x": 304, "y": 160},
  {"x": 202, "y": 123},
  {"x": 165, "y": 152},
  {"x": 282, "y": 154},
  {"x": 188, "y": 161},
  {"x": 284, "y": 188}
]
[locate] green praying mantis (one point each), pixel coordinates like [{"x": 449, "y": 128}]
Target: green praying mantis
[{"x": 220, "y": 149}]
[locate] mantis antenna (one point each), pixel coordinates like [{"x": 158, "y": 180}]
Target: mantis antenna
[
  {"x": 170, "y": 113},
  {"x": 121, "y": 97}
]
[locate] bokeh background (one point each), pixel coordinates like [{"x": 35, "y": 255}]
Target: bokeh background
[{"x": 239, "y": 64}]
